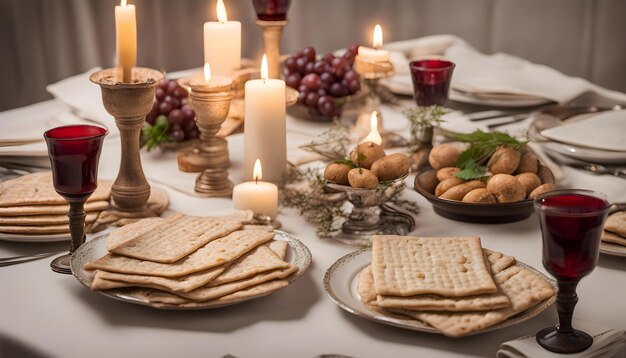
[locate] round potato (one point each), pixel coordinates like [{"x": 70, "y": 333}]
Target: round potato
[
  {"x": 337, "y": 173},
  {"x": 545, "y": 174},
  {"x": 391, "y": 166},
  {"x": 443, "y": 155},
  {"x": 444, "y": 185},
  {"x": 506, "y": 188},
  {"x": 543, "y": 188},
  {"x": 366, "y": 154},
  {"x": 362, "y": 178},
  {"x": 448, "y": 172},
  {"x": 529, "y": 181},
  {"x": 480, "y": 195},
  {"x": 528, "y": 163},
  {"x": 458, "y": 192},
  {"x": 504, "y": 160}
]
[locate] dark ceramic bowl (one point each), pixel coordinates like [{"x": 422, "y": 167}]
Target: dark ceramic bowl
[{"x": 469, "y": 212}]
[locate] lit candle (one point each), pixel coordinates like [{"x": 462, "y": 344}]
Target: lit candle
[
  {"x": 373, "y": 135},
  {"x": 259, "y": 196},
  {"x": 375, "y": 54},
  {"x": 265, "y": 134},
  {"x": 126, "y": 36},
  {"x": 222, "y": 43}
]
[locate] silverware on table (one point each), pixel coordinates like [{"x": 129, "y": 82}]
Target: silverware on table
[
  {"x": 510, "y": 120},
  {"x": 8, "y": 261},
  {"x": 616, "y": 170},
  {"x": 493, "y": 114}
]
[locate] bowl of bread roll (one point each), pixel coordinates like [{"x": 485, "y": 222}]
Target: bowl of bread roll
[{"x": 488, "y": 179}]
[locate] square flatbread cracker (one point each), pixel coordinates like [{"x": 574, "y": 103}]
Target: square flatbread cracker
[
  {"x": 215, "y": 253},
  {"x": 613, "y": 238},
  {"x": 37, "y": 189},
  {"x": 445, "y": 266},
  {"x": 44, "y": 229},
  {"x": 168, "y": 240},
  {"x": 616, "y": 223},
  {"x": 41, "y": 220},
  {"x": 34, "y": 210},
  {"x": 497, "y": 263},
  {"x": 523, "y": 287}
]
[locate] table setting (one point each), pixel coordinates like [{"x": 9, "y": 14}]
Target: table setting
[{"x": 413, "y": 198}]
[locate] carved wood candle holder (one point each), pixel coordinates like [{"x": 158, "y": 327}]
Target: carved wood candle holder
[
  {"x": 129, "y": 103},
  {"x": 272, "y": 32},
  {"x": 211, "y": 104}
]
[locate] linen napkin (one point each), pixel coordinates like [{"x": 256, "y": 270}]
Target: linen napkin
[
  {"x": 499, "y": 73},
  {"x": 84, "y": 98},
  {"x": 607, "y": 342}
]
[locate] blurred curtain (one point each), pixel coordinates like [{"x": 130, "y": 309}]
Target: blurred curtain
[{"x": 43, "y": 41}]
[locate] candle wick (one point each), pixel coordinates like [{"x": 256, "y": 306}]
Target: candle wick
[{"x": 256, "y": 180}]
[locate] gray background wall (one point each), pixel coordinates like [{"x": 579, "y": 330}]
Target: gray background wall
[{"x": 43, "y": 41}]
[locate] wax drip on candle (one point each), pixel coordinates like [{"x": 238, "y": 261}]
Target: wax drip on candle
[
  {"x": 264, "y": 70},
  {"x": 257, "y": 173},
  {"x": 221, "y": 12},
  {"x": 373, "y": 135},
  {"x": 207, "y": 73},
  {"x": 377, "y": 41}
]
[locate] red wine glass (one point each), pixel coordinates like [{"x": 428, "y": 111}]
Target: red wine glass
[
  {"x": 271, "y": 10},
  {"x": 74, "y": 152},
  {"x": 571, "y": 222},
  {"x": 431, "y": 81}
]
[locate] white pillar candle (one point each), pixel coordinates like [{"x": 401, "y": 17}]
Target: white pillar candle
[
  {"x": 222, "y": 43},
  {"x": 265, "y": 134},
  {"x": 375, "y": 54},
  {"x": 259, "y": 196},
  {"x": 126, "y": 39}
]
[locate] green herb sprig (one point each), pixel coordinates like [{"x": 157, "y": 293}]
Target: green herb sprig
[{"x": 154, "y": 135}]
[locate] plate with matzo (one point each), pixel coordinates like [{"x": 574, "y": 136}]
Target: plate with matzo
[{"x": 344, "y": 282}]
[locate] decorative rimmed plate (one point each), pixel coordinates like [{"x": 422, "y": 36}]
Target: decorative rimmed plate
[
  {"x": 298, "y": 254},
  {"x": 341, "y": 279},
  {"x": 34, "y": 238},
  {"x": 608, "y": 248}
]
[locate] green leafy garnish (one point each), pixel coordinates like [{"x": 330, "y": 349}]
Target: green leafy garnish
[
  {"x": 154, "y": 135},
  {"x": 482, "y": 145},
  {"x": 346, "y": 162}
]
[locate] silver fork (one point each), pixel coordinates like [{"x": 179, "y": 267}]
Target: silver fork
[{"x": 8, "y": 261}]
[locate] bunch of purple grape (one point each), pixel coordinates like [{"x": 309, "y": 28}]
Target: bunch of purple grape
[
  {"x": 320, "y": 81},
  {"x": 171, "y": 101}
]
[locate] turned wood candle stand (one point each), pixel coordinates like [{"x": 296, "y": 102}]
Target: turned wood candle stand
[
  {"x": 129, "y": 103},
  {"x": 272, "y": 32}
]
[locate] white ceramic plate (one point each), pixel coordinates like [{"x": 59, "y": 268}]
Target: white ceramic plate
[
  {"x": 340, "y": 283},
  {"x": 34, "y": 238},
  {"x": 297, "y": 254},
  {"x": 612, "y": 249}
]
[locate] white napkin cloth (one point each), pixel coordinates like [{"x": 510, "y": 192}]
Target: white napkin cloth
[
  {"x": 499, "y": 73},
  {"x": 85, "y": 98},
  {"x": 605, "y": 130},
  {"x": 607, "y": 342}
]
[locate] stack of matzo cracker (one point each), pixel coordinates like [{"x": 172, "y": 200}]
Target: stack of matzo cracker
[
  {"x": 449, "y": 283},
  {"x": 188, "y": 261},
  {"x": 29, "y": 205},
  {"x": 615, "y": 229}
]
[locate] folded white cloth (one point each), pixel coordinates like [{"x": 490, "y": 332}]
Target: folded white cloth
[
  {"x": 607, "y": 342},
  {"x": 499, "y": 73},
  {"x": 85, "y": 98}
]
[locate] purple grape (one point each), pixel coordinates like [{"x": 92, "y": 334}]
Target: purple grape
[
  {"x": 336, "y": 90},
  {"x": 290, "y": 64},
  {"x": 339, "y": 72},
  {"x": 338, "y": 62},
  {"x": 184, "y": 101},
  {"x": 328, "y": 58},
  {"x": 354, "y": 49},
  {"x": 175, "y": 102},
  {"x": 159, "y": 93},
  {"x": 165, "y": 108},
  {"x": 354, "y": 86},
  {"x": 327, "y": 77},
  {"x": 189, "y": 124},
  {"x": 178, "y": 135},
  {"x": 314, "y": 111},
  {"x": 302, "y": 97},
  {"x": 171, "y": 86},
  {"x": 320, "y": 67},
  {"x": 311, "y": 81},
  {"x": 328, "y": 108},
  {"x": 344, "y": 82},
  {"x": 163, "y": 84},
  {"x": 192, "y": 134},
  {"x": 309, "y": 53},
  {"x": 321, "y": 92},
  {"x": 324, "y": 86},
  {"x": 301, "y": 64},
  {"x": 176, "y": 116},
  {"x": 180, "y": 92},
  {"x": 349, "y": 58},
  {"x": 302, "y": 88},
  {"x": 188, "y": 112},
  {"x": 351, "y": 75},
  {"x": 311, "y": 98},
  {"x": 309, "y": 68},
  {"x": 293, "y": 80}
]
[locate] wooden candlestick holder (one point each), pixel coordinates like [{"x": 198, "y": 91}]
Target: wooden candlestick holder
[
  {"x": 129, "y": 103},
  {"x": 211, "y": 105},
  {"x": 272, "y": 32}
]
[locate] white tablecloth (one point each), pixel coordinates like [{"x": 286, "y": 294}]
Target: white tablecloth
[{"x": 54, "y": 315}]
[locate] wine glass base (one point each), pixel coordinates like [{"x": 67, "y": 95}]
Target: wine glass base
[
  {"x": 61, "y": 264},
  {"x": 554, "y": 341}
]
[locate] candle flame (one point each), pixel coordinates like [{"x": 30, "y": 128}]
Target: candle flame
[
  {"x": 207, "y": 72},
  {"x": 264, "y": 71},
  {"x": 373, "y": 135},
  {"x": 122, "y": 2},
  {"x": 257, "y": 173},
  {"x": 378, "y": 36},
  {"x": 221, "y": 12}
]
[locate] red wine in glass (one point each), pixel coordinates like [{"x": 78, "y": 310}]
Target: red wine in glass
[
  {"x": 74, "y": 152},
  {"x": 431, "y": 81},
  {"x": 571, "y": 225},
  {"x": 271, "y": 10}
]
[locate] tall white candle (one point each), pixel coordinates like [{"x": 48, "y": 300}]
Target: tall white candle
[
  {"x": 126, "y": 39},
  {"x": 259, "y": 196},
  {"x": 265, "y": 134},
  {"x": 222, "y": 43},
  {"x": 375, "y": 54}
]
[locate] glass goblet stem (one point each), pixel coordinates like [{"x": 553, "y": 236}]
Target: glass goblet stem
[
  {"x": 566, "y": 300},
  {"x": 77, "y": 215}
]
